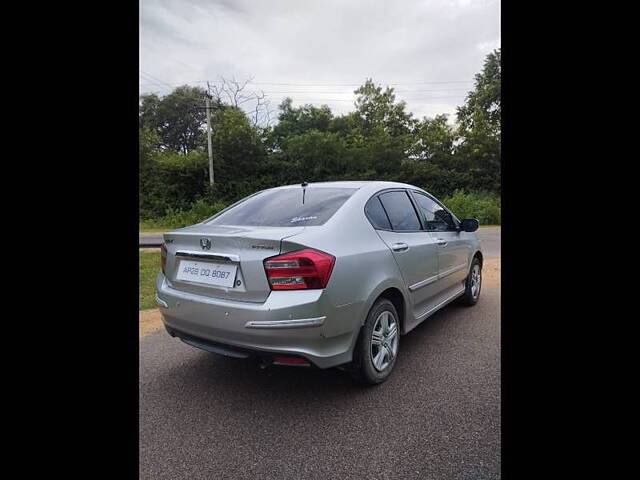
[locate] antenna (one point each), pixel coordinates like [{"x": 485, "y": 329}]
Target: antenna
[{"x": 304, "y": 186}]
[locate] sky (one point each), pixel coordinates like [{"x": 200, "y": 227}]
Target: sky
[{"x": 319, "y": 51}]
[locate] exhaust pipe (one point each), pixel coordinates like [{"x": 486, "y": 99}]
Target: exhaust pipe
[{"x": 264, "y": 362}]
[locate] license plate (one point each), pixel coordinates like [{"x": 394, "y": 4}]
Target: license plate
[{"x": 219, "y": 275}]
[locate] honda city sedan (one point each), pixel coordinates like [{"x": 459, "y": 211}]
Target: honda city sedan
[{"x": 320, "y": 274}]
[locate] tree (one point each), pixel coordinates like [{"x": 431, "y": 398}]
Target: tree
[
  {"x": 378, "y": 140},
  {"x": 238, "y": 152},
  {"x": 435, "y": 140},
  {"x": 149, "y": 145},
  {"x": 378, "y": 109},
  {"x": 234, "y": 93},
  {"x": 316, "y": 156},
  {"x": 178, "y": 118},
  {"x": 480, "y": 128},
  {"x": 297, "y": 120},
  {"x": 482, "y": 108}
]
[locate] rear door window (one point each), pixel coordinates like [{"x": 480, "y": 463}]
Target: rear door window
[
  {"x": 400, "y": 211},
  {"x": 286, "y": 207}
]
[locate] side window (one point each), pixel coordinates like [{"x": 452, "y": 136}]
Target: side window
[
  {"x": 437, "y": 218},
  {"x": 376, "y": 214},
  {"x": 400, "y": 211}
]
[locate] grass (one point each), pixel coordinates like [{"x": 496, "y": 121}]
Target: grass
[
  {"x": 149, "y": 269},
  {"x": 489, "y": 226},
  {"x": 155, "y": 226}
]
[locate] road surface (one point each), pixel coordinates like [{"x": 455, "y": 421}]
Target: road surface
[
  {"x": 437, "y": 417},
  {"x": 490, "y": 240},
  {"x": 149, "y": 239}
]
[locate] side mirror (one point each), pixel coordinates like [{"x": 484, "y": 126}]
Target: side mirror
[{"x": 469, "y": 225}]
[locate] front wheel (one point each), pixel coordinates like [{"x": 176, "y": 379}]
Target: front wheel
[
  {"x": 377, "y": 348},
  {"x": 472, "y": 284}
]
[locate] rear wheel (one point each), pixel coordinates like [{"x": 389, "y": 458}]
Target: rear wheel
[
  {"x": 472, "y": 284},
  {"x": 377, "y": 348}
]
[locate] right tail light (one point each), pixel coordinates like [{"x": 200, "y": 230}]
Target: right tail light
[{"x": 301, "y": 270}]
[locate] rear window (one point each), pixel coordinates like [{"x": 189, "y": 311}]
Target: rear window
[{"x": 285, "y": 208}]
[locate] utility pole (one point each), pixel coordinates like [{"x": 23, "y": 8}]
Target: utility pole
[{"x": 208, "y": 105}]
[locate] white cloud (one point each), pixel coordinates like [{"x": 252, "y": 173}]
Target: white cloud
[{"x": 319, "y": 44}]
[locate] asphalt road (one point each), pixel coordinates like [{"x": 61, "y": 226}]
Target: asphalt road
[
  {"x": 490, "y": 238},
  {"x": 437, "y": 417},
  {"x": 149, "y": 239}
]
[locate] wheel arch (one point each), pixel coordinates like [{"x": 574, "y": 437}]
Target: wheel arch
[
  {"x": 479, "y": 256},
  {"x": 395, "y": 294}
]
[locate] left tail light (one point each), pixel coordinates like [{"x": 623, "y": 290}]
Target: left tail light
[
  {"x": 163, "y": 256},
  {"x": 301, "y": 270}
]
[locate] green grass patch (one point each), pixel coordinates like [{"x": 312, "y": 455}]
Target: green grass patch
[
  {"x": 143, "y": 229},
  {"x": 149, "y": 269}
]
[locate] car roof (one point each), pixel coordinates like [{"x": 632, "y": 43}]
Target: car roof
[{"x": 353, "y": 184}]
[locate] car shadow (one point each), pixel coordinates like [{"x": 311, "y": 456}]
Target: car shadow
[{"x": 233, "y": 380}]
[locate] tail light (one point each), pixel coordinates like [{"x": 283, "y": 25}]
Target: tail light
[
  {"x": 304, "y": 269},
  {"x": 163, "y": 256}
]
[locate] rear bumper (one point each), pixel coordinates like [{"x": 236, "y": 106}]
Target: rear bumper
[{"x": 303, "y": 323}]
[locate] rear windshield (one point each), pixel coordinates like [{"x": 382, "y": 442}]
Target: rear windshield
[{"x": 285, "y": 208}]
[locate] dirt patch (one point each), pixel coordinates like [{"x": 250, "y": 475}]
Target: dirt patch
[
  {"x": 150, "y": 322},
  {"x": 491, "y": 272}
]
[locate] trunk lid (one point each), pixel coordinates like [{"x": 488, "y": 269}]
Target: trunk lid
[{"x": 202, "y": 255}]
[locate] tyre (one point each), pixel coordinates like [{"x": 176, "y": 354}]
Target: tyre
[
  {"x": 473, "y": 284},
  {"x": 377, "y": 347}
]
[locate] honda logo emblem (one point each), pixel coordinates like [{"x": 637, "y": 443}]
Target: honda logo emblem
[{"x": 205, "y": 243}]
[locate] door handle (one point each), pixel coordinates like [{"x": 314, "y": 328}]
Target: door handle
[
  {"x": 399, "y": 247},
  {"x": 441, "y": 241}
]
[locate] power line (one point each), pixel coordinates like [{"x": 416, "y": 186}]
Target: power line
[
  {"x": 353, "y": 100},
  {"x": 320, "y": 100},
  {"x": 316, "y": 92},
  {"x": 155, "y": 78},
  {"x": 359, "y": 84},
  {"x": 401, "y": 93},
  {"x": 325, "y": 84},
  {"x": 156, "y": 83},
  {"x": 351, "y": 93}
]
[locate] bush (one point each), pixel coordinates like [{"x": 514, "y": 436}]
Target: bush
[
  {"x": 176, "y": 218},
  {"x": 170, "y": 180},
  {"x": 481, "y": 205}
]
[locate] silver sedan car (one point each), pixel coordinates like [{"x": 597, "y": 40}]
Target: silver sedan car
[{"x": 320, "y": 274}]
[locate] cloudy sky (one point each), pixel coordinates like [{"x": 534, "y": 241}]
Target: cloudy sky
[{"x": 319, "y": 51}]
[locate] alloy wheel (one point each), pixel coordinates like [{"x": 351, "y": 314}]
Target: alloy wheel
[
  {"x": 476, "y": 280},
  {"x": 384, "y": 341}
]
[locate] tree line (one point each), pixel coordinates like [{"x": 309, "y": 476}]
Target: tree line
[{"x": 378, "y": 140}]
